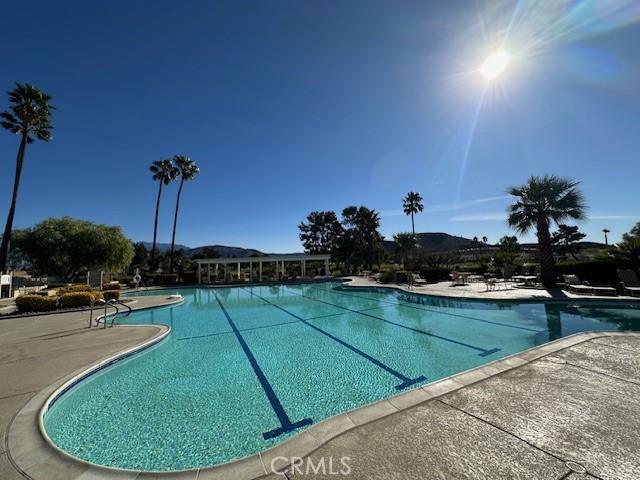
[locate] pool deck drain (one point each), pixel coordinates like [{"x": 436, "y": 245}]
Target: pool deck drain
[{"x": 535, "y": 415}]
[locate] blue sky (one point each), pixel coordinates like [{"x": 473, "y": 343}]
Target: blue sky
[{"x": 294, "y": 106}]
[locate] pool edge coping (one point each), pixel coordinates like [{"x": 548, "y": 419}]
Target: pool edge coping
[{"x": 276, "y": 459}]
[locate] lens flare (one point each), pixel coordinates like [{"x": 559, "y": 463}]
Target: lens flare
[{"x": 495, "y": 65}]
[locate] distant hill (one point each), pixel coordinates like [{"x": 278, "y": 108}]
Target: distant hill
[
  {"x": 223, "y": 250},
  {"x": 434, "y": 242}
]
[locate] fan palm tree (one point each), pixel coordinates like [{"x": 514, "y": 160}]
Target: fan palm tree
[
  {"x": 30, "y": 117},
  {"x": 187, "y": 170},
  {"x": 405, "y": 243},
  {"x": 164, "y": 173},
  {"x": 606, "y": 232},
  {"x": 539, "y": 202},
  {"x": 412, "y": 204}
]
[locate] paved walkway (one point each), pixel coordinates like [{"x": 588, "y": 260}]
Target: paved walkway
[
  {"x": 38, "y": 351},
  {"x": 580, "y": 404}
]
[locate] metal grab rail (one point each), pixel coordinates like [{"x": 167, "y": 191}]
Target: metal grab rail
[
  {"x": 120, "y": 302},
  {"x": 110, "y": 303}
]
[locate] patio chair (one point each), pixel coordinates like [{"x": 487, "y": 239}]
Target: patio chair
[
  {"x": 574, "y": 285},
  {"x": 629, "y": 282},
  {"x": 417, "y": 280}
]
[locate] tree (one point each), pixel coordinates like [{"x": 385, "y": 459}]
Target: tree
[
  {"x": 565, "y": 239},
  {"x": 507, "y": 253},
  {"x": 412, "y": 204},
  {"x": 66, "y": 246},
  {"x": 628, "y": 250},
  {"x": 606, "y": 232},
  {"x": 485, "y": 240},
  {"x": 321, "y": 233},
  {"x": 164, "y": 173},
  {"x": 29, "y": 116},
  {"x": 140, "y": 257},
  {"x": 187, "y": 170},
  {"x": 405, "y": 243},
  {"x": 539, "y": 202},
  {"x": 361, "y": 242}
]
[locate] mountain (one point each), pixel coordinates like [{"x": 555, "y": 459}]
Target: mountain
[
  {"x": 434, "y": 242},
  {"x": 223, "y": 250}
]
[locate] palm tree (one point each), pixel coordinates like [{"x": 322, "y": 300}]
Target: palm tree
[
  {"x": 164, "y": 173},
  {"x": 187, "y": 170},
  {"x": 412, "y": 204},
  {"x": 30, "y": 117},
  {"x": 606, "y": 232},
  {"x": 539, "y": 202},
  {"x": 405, "y": 242},
  {"x": 485, "y": 240}
]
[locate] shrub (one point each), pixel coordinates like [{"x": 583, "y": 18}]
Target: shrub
[
  {"x": 393, "y": 276},
  {"x": 74, "y": 288},
  {"x": 36, "y": 303},
  {"x": 165, "y": 279},
  {"x": 111, "y": 286},
  {"x": 435, "y": 274},
  {"x": 76, "y": 299},
  {"x": 592, "y": 271}
]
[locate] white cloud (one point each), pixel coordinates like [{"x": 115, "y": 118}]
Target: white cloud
[{"x": 612, "y": 217}]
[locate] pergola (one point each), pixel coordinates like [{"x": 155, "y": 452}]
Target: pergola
[{"x": 278, "y": 260}]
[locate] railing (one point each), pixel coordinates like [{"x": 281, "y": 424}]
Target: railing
[{"x": 121, "y": 303}]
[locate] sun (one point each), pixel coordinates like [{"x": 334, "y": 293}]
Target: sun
[{"x": 494, "y": 65}]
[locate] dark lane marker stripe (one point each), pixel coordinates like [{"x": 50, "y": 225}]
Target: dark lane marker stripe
[
  {"x": 408, "y": 305},
  {"x": 406, "y": 381},
  {"x": 483, "y": 351},
  {"x": 285, "y": 422},
  {"x": 196, "y": 337}
]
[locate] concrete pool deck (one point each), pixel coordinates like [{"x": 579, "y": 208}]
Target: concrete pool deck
[
  {"x": 478, "y": 291},
  {"x": 525, "y": 416}
]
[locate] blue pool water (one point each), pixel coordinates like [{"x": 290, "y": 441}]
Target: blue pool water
[{"x": 247, "y": 367}]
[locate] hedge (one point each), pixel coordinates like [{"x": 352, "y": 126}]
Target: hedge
[
  {"x": 76, "y": 299},
  {"x": 593, "y": 271},
  {"x": 36, "y": 303},
  {"x": 74, "y": 288},
  {"x": 435, "y": 274}
]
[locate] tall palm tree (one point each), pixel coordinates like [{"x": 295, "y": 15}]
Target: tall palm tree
[
  {"x": 187, "y": 170},
  {"x": 412, "y": 204},
  {"x": 164, "y": 173},
  {"x": 539, "y": 202},
  {"x": 30, "y": 117},
  {"x": 606, "y": 232}
]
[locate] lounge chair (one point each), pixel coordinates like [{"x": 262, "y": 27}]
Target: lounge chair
[
  {"x": 629, "y": 282},
  {"x": 417, "y": 280},
  {"x": 573, "y": 284}
]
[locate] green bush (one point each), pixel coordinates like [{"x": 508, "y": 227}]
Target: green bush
[
  {"x": 76, "y": 299},
  {"x": 435, "y": 274},
  {"x": 393, "y": 276},
  {"x": 36, "y": 303},
  {"x": 596, "y": 272}
]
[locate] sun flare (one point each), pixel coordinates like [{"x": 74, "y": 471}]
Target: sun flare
[{"x": 494, "y": 65}]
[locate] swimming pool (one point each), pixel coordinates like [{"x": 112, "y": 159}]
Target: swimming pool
[{"x": 247, "y": 367}]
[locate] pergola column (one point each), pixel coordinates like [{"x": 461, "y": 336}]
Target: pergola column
[
  {"x": 260, "y": 270},
  {"x": 304, "y": 268},
  {"x": 238, "y": 270},
  {"x": 199, "y": 274},
  {"x": 216, "y": 272},
  {"x": 250, "y": 271},
  {"x": 208, "y": 273},
  {"x": 326, "y": 267}
]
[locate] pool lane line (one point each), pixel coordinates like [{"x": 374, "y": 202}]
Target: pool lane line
[
  {"x": 415, "y": 307},
  {"x": 406, "y": 381},
  {"x": 285, "y": 423},
  {"x": 319, "y": 317},
  {"x": 483, "y": 351}
]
